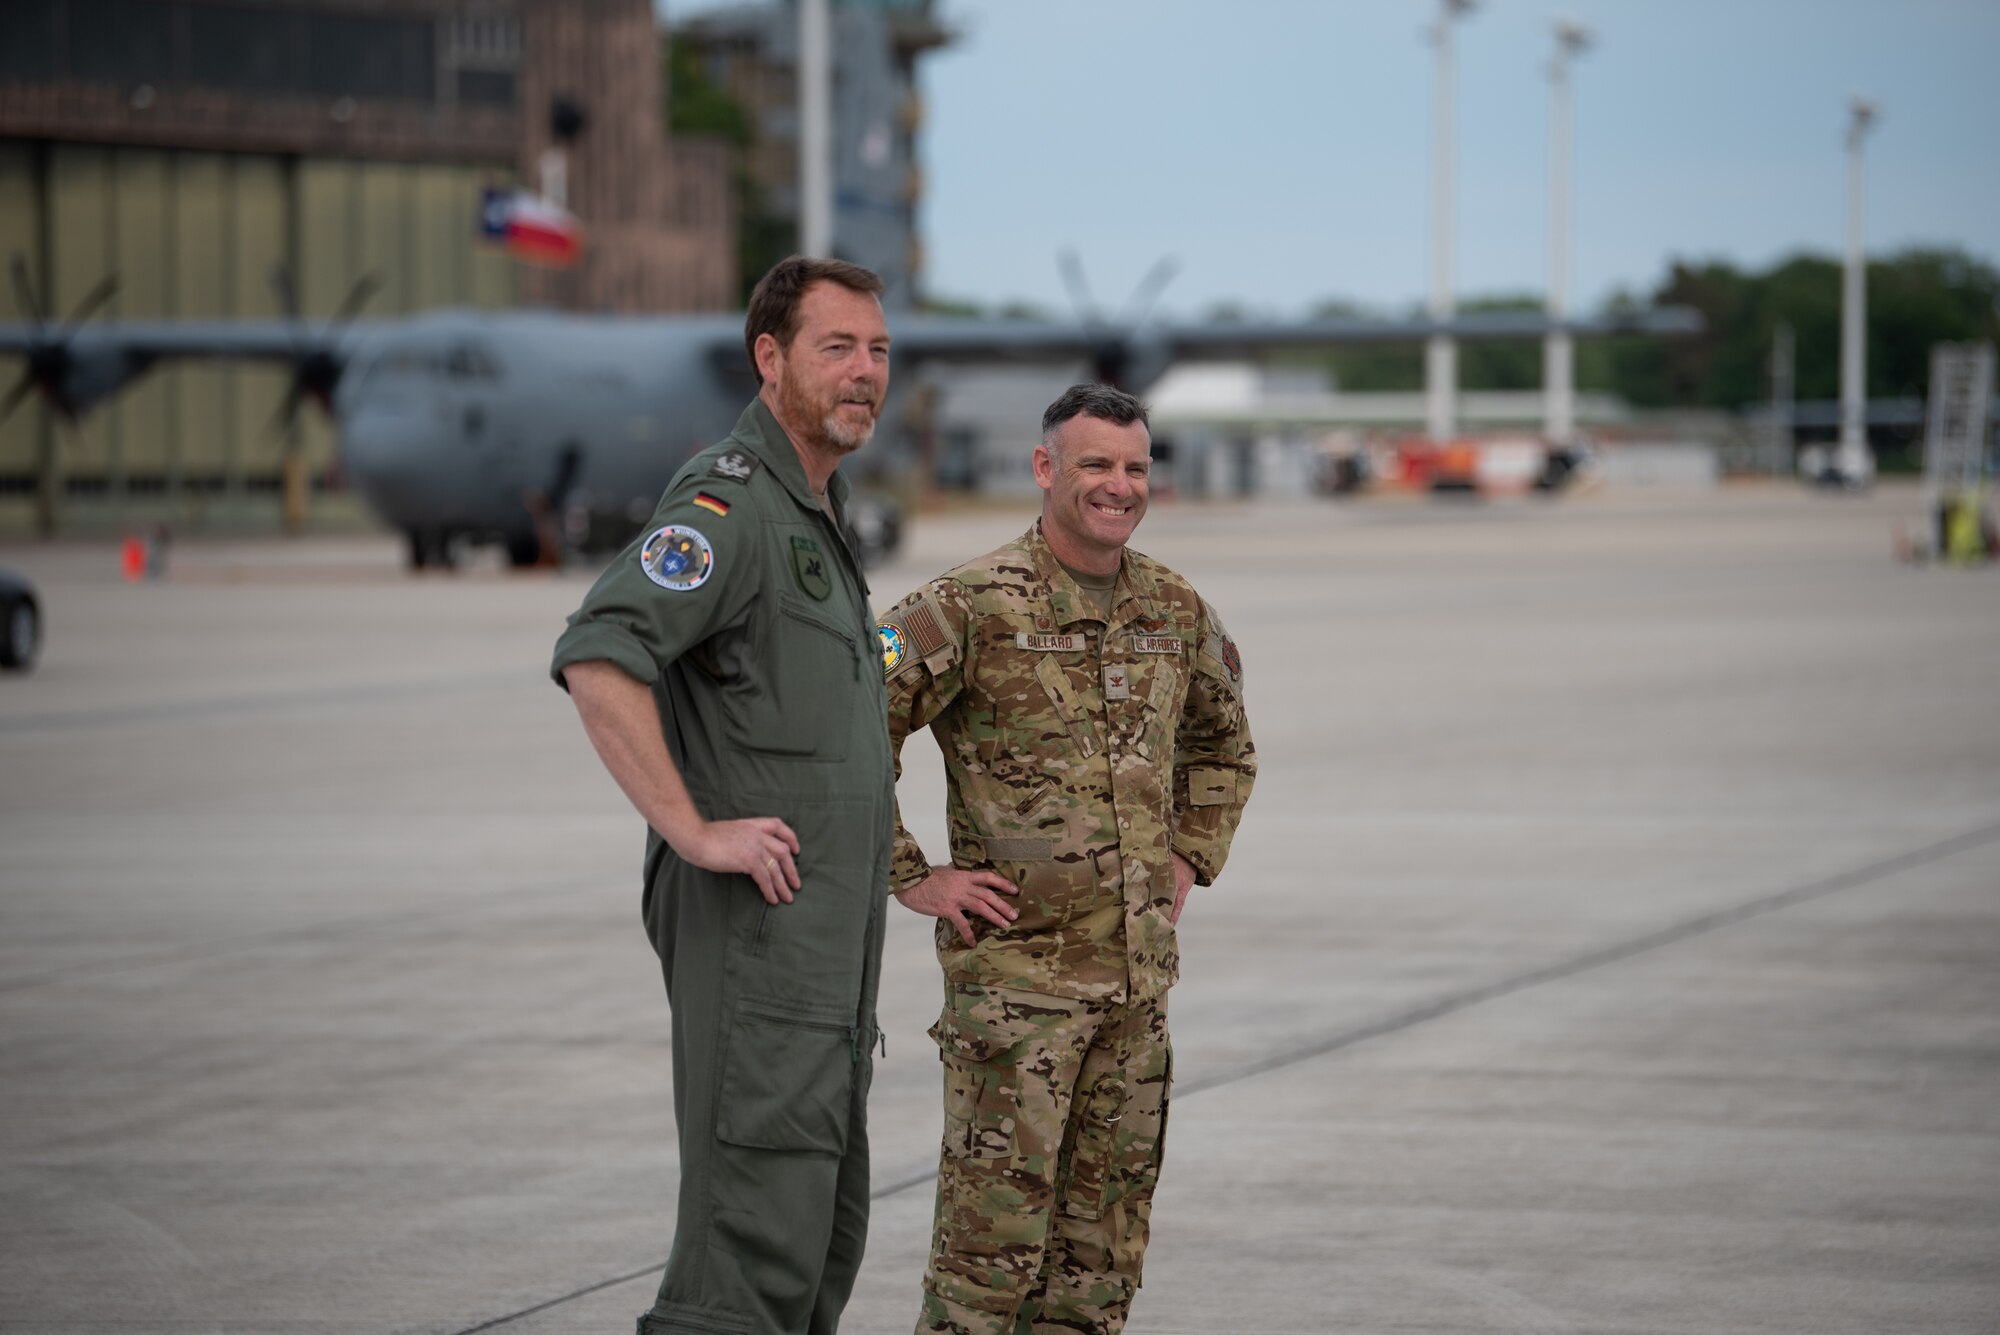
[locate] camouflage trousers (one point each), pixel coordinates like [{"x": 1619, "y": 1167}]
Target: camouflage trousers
[{"x": 1055, "y": 1115}]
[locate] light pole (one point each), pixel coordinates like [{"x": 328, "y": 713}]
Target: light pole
[
  {"x": 815, "y": 130},
  {"x": 1558, "y": 361},
  {"x": 1853, "y": 459},
  {"x": 1440, "y": 351}
]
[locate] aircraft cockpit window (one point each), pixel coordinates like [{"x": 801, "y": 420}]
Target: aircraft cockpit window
[
  {"x": 411, "y": 362},
  {"x": 469, "y": 361}
]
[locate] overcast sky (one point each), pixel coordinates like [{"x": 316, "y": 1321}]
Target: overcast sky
[{"x": 1279, "y": 149}]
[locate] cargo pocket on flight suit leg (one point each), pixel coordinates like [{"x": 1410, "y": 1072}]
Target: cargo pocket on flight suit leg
[{"x": 787, "y": 1081}]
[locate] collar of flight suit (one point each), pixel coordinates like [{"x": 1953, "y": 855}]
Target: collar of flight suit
[
  {"x": 1128, "y": 597},
  {"x": 757, "y": 430}
]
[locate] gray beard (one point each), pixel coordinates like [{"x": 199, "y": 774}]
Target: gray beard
[{"x": 843, "y": 437}]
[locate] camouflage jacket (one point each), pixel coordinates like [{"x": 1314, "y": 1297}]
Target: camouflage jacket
[{"x": 1079, "y": 757}]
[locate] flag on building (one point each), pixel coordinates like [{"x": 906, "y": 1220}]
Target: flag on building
[{"x": 531, "y": 228}]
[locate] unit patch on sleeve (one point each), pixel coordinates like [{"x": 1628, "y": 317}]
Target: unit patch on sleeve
[
  {"x": 809, "y": 568},
  {"x": 677, "y": 558},
  {"x": 736, "y": 464},
  {"x": 1217, "y": 645},
  {"x": 894, "y": 647}
]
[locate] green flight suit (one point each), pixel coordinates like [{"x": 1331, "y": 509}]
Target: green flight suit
[{"x": 744, "y": 608}]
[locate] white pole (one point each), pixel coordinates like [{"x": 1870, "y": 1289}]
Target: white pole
[
  {"x": 1558, "y": 357},
  {"x": 815, "y": 130},
  {"x": 1854, "y": 308},
  {"x": 1441, "y": 351}
]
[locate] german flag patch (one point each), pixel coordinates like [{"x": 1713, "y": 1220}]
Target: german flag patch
[{"x": 715, "y": 505}]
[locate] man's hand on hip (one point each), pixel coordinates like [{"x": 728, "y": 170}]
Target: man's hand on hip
[
  {"x": 762, "y": 848},
  {"x": 951, "y": 893},
  {"x": 1183, "y": 882}
]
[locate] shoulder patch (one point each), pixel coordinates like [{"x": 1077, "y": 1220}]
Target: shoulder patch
[
  {"x": 736, "y": 464},
  {"x": 1218, "y": 646},
  {"x": 678, "y": 558},
  {"x": 915, "y": 631},
  {"x": 928, "y": 631},
  {"x": 895, "y": 647}
]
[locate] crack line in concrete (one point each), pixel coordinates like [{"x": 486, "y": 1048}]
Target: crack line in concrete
[
  {"x": 1453, "y": 1002},
  {"x": 211, "y": 708}
]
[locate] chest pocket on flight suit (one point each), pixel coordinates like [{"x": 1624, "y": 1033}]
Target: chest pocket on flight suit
[{"x": 810, "y": 663}]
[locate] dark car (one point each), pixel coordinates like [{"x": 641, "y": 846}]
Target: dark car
[
  {"x": 878, "y": 524},
  {"x": 20, "y": 622}
]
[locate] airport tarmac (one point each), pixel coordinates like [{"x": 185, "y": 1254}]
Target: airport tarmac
[{"x": 1612, "y": 944}]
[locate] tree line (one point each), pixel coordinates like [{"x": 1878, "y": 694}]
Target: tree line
[{"x": 1916, "y": 298}]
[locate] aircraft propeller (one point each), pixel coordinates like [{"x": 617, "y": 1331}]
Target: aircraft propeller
[
  {"x": 317, "y": 365},
  {"x": 49, "y": 359},
  {"x": 1114, "y": 347}
]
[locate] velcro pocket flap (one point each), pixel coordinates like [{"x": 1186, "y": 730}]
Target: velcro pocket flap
[
  {"x": 787, "y": 1082},
  {"x": 982, "y": 1023},
  {"x": 1209, "y": 786}
]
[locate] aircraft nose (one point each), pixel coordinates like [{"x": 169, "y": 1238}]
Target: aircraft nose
[{"x": 386, "y": 460}]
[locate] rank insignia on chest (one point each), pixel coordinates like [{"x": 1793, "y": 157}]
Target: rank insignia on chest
[
  {"x": 809, "y": 568},
  {"x": 1117, "y": 682},
  {"x": 677, "y": 558},
  {"x": 1067, "y": 641}
]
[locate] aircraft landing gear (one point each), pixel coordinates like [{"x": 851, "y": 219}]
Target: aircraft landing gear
[
  {"x": 431, "y": 549},
  {"x": 524, "y": 550}
]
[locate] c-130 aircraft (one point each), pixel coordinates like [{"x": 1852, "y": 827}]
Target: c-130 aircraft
[{"x": 456, "y": 425}]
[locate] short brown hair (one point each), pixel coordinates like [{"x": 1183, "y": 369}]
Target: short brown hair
[
  {"x": 1104, "y": 402},
  {"x": 774, "y": 302}
]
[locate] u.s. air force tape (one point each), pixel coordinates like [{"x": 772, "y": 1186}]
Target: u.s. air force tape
[{"x": 678, "y": 558}]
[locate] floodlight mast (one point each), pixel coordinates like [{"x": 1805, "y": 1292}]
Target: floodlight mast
[
  {"x": 1558, "y": 354},
  {"x": 1853, "y": 448},
  {"x": 815, "y": 130},
  {"x": 1441, "y": 350}
]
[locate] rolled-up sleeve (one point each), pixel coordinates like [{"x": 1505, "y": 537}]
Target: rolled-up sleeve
[{"x": 641, "y": 619}]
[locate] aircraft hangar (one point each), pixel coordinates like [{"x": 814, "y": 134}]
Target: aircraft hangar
[{"x": 190, "y": 149}]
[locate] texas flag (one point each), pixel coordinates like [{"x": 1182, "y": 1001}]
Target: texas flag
[{"x": 532, "y": 228}]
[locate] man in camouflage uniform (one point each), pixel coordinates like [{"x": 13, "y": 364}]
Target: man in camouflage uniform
[{"x": 1089, "y": 707}]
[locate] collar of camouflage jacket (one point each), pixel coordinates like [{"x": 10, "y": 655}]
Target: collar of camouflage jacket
[{"x": 1129, "y": 600}]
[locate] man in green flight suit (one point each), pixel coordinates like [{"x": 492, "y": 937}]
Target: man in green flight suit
[
  {"x": 725, "y": 669},
  {"x": 1089, "y": 705}
]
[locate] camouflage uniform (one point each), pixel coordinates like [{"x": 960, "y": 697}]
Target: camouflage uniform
[{"x": 1079, "y": 757}]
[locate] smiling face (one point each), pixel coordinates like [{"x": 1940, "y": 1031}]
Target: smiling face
[
  {"x": 1093, "y": 490},
  {"x": 826, "y": 386}
]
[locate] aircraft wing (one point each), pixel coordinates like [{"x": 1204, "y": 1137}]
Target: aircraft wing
[
  {"x": 1135, "y": 358},
  {"x": 975, "y": 339},
  {"x": 158, "y": 340},
  {"x": 1227, "y": 338}
]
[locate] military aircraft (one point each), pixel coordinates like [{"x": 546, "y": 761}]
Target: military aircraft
[{"x": 462, "y": 425}]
